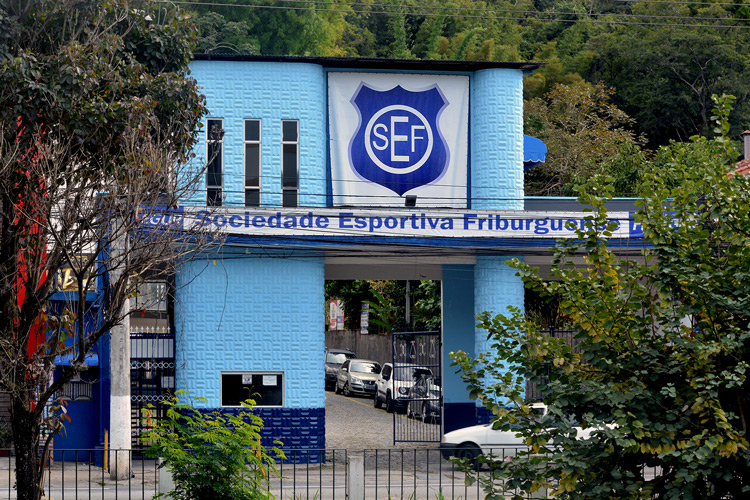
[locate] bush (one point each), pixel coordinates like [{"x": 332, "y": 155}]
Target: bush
[
  {"x": 6, "y": 435},
  {"x": 212, "y": 455}
]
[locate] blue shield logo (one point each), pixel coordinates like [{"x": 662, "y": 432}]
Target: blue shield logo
[{"x": 398, "y": 144}]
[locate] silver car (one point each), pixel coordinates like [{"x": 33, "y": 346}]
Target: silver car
[{"x": 357, "y": 376}]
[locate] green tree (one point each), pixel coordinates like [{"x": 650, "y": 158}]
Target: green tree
[
  {"x": 542, "y": 81},
  {"x": 489, "y": 31},
  {"x": 660, "y": 369},
  {"x": 666, "y": 68},
  {"x": 583, "y": 131},
  {"x": 98, "y": 119},
  {"x": 427, "y": 312},
  {"x": 217, "y": 35},
  {"x": 399, "y": 47},
  {"x": 277, "y": 28},
  {"x": 384, "y": 312},
  {"x": 212, "y": 455}
]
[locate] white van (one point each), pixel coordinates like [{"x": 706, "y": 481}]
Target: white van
[{"x": 393, "y": 384}]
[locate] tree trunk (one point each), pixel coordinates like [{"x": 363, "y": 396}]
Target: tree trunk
[{"x": 26, "y": 442}]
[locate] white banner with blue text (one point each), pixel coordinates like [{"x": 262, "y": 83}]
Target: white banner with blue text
[{"x": 395, "y": 223}]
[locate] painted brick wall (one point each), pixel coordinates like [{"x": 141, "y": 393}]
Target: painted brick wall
[
  {"x": 496, "y": 287},
  {"x": 300, "y": 431},
  {"x": 273, "y": 92},
  {"x": 496, "y": 148},
  {"x": 251, "y": 313}
]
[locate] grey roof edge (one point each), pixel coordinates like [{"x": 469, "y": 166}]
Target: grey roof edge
[
  {"x": 563, "y": 204},
  {"x": 367, "y": 63}
]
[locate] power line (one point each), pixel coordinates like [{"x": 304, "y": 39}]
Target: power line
[
  {"x": 678, "y": 2},
  {"x": 461, "y": 10},
  {"x": 460, "y": 15}
]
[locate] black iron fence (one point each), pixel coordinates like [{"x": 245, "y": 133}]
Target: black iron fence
[
  {"x": 414, "y": 474},
  {"x": 417, "y": 359},
  {"x": 83, "y": 474},
  {"x": 532, "y": 391},
  {"x": 152, "y": 377}
]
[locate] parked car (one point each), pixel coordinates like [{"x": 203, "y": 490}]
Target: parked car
[
  {"x": 471, "y": 442},
  {"x": 334, "y": 358},
  {"x": 393, "y": 384},
  {"x": 357, "y": 376},
  {"x": 425, "y": 398}
]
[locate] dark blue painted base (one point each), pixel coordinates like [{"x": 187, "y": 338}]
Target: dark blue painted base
[
  {"x": 459, "y": 415},
  {"x": 301, "y": 431}
]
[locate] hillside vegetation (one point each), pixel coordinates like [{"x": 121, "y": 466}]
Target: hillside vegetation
[{"x": 642, "y": 73}]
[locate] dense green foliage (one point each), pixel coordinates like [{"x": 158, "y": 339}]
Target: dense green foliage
[
  {"x": 664, "y": 59},
  {"x": 663, "y": 347},
  {"x": 584, "y": 132},
  {"x": 387, "y": 301},
  {"x": 92, "y": 70},
  {"x": 211, "y": 455}
]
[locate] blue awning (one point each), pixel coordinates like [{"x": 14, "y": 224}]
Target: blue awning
[
  {"x": 534, "y": 152},
  {"x": 91, "y": 359}
]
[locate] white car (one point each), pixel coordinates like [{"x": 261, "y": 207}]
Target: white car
[
  {"x": 470, "y": 442},
  {"x": 393, "y": 384}
]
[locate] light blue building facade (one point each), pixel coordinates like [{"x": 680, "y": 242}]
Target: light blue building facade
[
  {"x": 306, "y": 184},
  {"x": 257, "y": 306}
]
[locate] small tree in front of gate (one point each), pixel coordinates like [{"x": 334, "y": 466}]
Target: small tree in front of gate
[
  {"x": 660, "y": 371},
  {"x": 212, "y": 455}
]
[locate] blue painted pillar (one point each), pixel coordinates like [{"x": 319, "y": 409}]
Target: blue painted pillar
[
  {"x": 496, "y": 287},
  {"x": 496, "y": 184},
  {"x": 496, "y": 140},
  {"x": 458, "y": 334}
]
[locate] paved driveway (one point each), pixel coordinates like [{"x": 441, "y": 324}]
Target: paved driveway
[{"x": 353, "y": 423}]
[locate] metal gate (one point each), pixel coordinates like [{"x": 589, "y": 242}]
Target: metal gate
[
  {"x": 417, "y": 361},
  {"x": 532, "y": 391},
  {"x": 152, "y": 377}
]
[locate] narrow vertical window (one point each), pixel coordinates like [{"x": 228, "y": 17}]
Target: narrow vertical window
[
  {"x": 289, "y": 162},
  {"x": 252, "y": 163},
  {"x": 215, "y": 157}
]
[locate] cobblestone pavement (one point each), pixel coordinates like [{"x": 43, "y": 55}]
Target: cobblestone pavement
[{"x": 353, "y": 423}]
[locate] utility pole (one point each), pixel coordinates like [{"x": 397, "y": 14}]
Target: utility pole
[{"x": 119, "y": 376}]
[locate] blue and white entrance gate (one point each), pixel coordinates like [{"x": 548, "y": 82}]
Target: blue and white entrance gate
[
  {"x": 418, "y": 355},
  {"x": 339, "y": 169}
]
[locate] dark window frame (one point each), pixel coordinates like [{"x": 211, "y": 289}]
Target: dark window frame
[
  {"x": 228, "y": 383},
  {"x": 77, "y": 389},
  {"x": 151, "y": 302},
  {"x": 214, "y": 139},
  {"x": 252, "y": 191},
  {"x": 289, "y": 193}
]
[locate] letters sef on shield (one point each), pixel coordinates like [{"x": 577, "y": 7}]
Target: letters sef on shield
[{"x": 398, "y": 143}]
